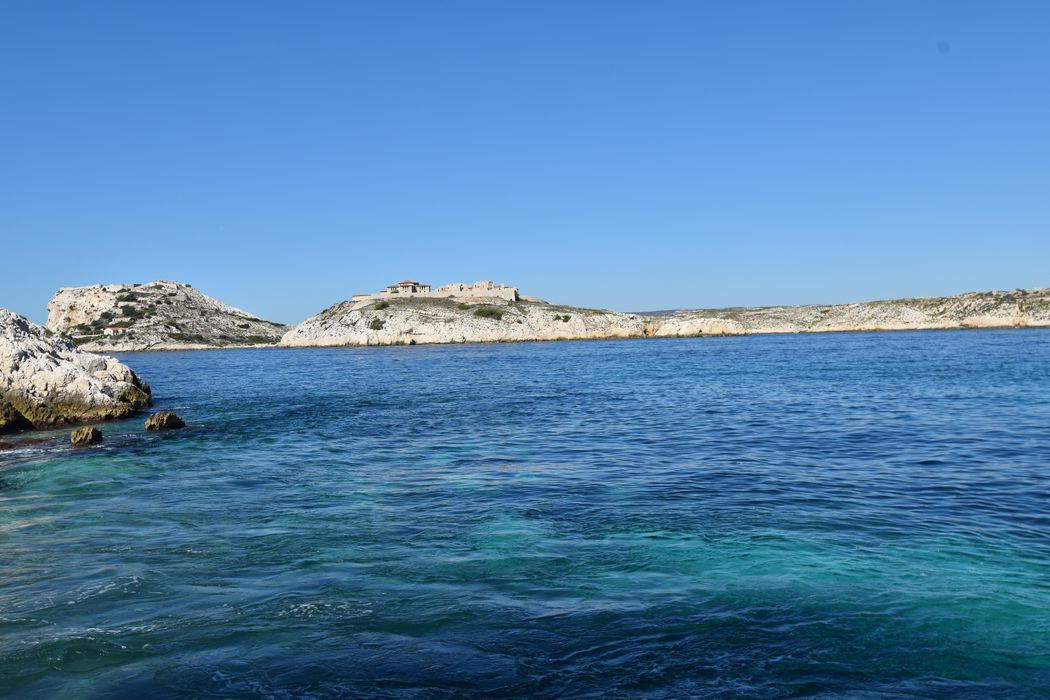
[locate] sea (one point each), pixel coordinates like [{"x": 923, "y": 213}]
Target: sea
[{"x": 845, "y": 515}]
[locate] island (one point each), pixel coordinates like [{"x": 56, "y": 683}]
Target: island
[
  {"x": 160, "y": 315},
  {"x": 412, "y": 312},
  {"x": 168, "y": 315},
  {"x": 1019, "y": 308}
]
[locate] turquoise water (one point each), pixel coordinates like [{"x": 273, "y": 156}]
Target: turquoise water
[{"x": 858, "y": 515}]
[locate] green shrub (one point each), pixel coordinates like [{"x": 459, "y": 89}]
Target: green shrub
[
  {"x": 130, "y": 311},
  {"x": 380, "y": 305},
  {"x": 257, "y": 339},
  {"x": 124, "y": 324},
  {"x": 188, "y": 337},
  {"x": 376, "y": 324},
  {"x": 489, "y": 312},
  {"x": 130, "y": 296},
  {"x": 565, "y": 318},
  {"x": 244, "y": 325},
  {"x": 463, "y": 306}
]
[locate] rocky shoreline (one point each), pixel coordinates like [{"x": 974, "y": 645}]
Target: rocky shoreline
[
  {"x": 167, "y": 315},
  {"x": 413, "y": 321},
  {"x": 49, "y": 378},
  {"x": 438, "y": 321},
  {"x": 160, "y": 315},
  {"x": 46, "y": 381},
  {"x": 1015, "y": 309}
]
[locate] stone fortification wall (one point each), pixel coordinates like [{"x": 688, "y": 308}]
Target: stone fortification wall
[{"x": 479, "y": 290}]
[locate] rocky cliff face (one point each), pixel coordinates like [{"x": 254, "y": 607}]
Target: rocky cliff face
[
  {"x": 160, "y": 315},
  {"x": 1019, "y": 308},
  {"x": 412, "y": 321},
  {"x": 46, "y": 381},
  {"x": 409, "y": 321},
  {"x": 170, "y": 315}
]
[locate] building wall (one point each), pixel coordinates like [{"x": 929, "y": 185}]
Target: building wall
[
  {"x": 508, "y": 294},
  {"x": 478, "y": 290}
]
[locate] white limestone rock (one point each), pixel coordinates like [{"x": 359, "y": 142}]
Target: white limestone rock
[
  {"x": 419, "y": 321},
  {"x": 161, "y": 315},
  {"x": 46, "y": 381},
  {"x": 1017, "y": 309}
]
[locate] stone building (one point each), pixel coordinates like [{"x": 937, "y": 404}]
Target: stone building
[
  {"x": 481, "y": 290},
  {"x": 408, "y": 287}
]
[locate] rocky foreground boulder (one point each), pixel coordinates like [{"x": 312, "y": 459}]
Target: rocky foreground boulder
[
  {"x": 86, "y": 435},
  {"x": 46, "y": 381},
  {"x": 165, "y": 420},
  {"x": 417, "y": 320},
  {"x": 161, "y": 315}
]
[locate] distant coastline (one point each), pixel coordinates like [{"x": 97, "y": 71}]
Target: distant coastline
[
  {"x": 49, "y": 375},
  {"x": 168, "y": 315}
]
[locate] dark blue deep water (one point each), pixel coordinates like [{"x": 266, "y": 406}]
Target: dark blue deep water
[{"x": 843, "y": 515}]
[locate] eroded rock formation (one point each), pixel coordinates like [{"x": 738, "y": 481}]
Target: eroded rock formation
[
  {"x": 165, "y": 420},
  {"x": 46, "y": 381}
]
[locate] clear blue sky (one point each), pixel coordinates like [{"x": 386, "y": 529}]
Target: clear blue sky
[{"x": 284, "y": 155}]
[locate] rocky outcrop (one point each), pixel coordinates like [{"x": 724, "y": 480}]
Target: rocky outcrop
[
  {"x": 46, "y": 381},
  {"x": 1019, "y": 308},
  {"x": 86, "y": 435},
  {"x": 161, "y": 315},
  {"x": 10, "y": 419},
  {"x": 165, "y": 420},
  {"x": 420, "y": 320}
]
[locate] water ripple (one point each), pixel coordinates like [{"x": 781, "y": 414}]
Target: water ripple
[{"x": 853, "y": 515}]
